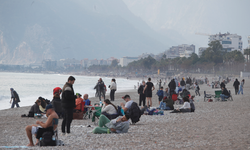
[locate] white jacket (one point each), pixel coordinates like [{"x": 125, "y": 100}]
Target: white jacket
[{"x": 113, "y": 86}]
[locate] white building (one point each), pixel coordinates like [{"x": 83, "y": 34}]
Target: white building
[
  {"x": 229, "y": 42},
  {"x": 201, "y": 49},
  {"x": 183, "y": 50},
  {"x": 124, "y": 61}
]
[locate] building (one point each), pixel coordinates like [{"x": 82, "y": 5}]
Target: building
[
  {"x": 201, "y": 49},
  {"x": 183, "y": 50},
  {"x": 124, "y": 61},
  {"x": 229, "y": 42}
]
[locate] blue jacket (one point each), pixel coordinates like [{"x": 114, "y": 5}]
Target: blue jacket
[{"x": 160, "y": 92}]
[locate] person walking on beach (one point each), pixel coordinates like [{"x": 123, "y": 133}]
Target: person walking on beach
[
  {"x": 113, "y": 88},
  {"x": 197, "y": 89},
  {"x": 100, "y": 88},
  {"x": 236, "y": 86},
  {"x": 15, "y": 98},
  {"x": 148, "y": 91},
  {"x": 142, "y": 96},
  {"x": 241, "y": 87},
  {"x": 68, "y": 103}
]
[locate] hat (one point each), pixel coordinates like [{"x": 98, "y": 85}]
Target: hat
[
  {"x": 57, "y": 90},
  {"x": 126, "y": 96},
  {"x": 49, "y": 106},
  {"x": 78, "y": 94}
]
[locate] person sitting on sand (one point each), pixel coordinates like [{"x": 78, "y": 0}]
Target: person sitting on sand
[
  {"x": 191, "y": 100},
  {"x": 185, "y": 108},
  {"x": 128, "y": 104},
  {"x": 118, "y": 125},
  {"x": 52, "y": 121},
  {"x": 35, "y": 109},
  {"x": 109, "y": 109},
  {"x": 166, "y": 104}
]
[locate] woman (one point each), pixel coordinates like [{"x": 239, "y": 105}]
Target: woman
[
  {"x": 35, "y": 109},
  {"x": 185, "y": 108},
  {"x": 57, "y": 102},
  {"x": 109, "y": 109},
  {"x": 241, "y": 87},
  {"x": 112, "y": 89},
  {"x": 142, "y": 97},
  {"x": 148, "y": 91}
]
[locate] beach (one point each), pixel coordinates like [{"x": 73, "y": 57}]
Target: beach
[{"x": 213, "y": 125}]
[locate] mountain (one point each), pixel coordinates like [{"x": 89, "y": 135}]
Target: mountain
[
  {"x": 33, "y": 30},
  {"x": 181, "y": 19}
]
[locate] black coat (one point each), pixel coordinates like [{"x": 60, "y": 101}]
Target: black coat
[
  {"x": 236, "y": 84},
  {"x": 222, "y": 85},
  {"x": 172, "y": 85},
  {"x": 35, "y": 109},
  {"x": 57, "y": 104},
  {"x": 225, "y": 92},
  {"x": 182, "y": 83},
  {"x": 68, "y": 97},
  {"x": 134, "y": 113},
  {"x": 140, "y": 89}
]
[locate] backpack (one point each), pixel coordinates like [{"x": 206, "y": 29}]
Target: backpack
[
  {"x": 134, "y": 112},
  {"x": 47, "y": 139}
]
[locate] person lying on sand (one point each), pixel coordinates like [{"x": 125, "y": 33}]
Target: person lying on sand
[
  {"x": 52, "y": 121},
  {"x": 118, "y": 125}
]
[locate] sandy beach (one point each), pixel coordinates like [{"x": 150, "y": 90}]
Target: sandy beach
[{"x": 213, "y": 125}]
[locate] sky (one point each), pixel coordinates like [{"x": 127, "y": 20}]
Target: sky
[{"x": 182, "y": 19}]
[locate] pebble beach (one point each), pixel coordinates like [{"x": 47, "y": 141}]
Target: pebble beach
[{"x": 213, "y": 125}]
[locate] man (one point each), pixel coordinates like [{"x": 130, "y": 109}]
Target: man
[
  {"x": 128, "y": 104},
  {"x": 118, "y": 125},
  {"x": 166, "y": 104},
  {"x": 224, "y": 94},
  {"x": 15, "y": 98},
  {"x": 222, "y": 84},
  {"x": 172, "y": 87},
  {"x": 142, "y": 97},
  {"x": 68, "y": 103},
  {"x": 236, "y": 86},
  {"x": 52, "y": 121},
  {"x": 100, "y": 88},
  {"x": 183, "y": 84},
  {"x": 79, "y": 101}
]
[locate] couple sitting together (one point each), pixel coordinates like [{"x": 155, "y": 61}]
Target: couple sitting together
[
  {"x": 188, "y": 106},
  {"x": 121, "y": 123}
]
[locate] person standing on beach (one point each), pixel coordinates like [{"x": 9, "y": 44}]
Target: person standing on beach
[
  {"x": 15, "y": 98},
  {"x": 241, "y": 87},
  {"x": 68, "y": 103},
  {"x": 100, "y": 88},
  {"x": 113, "y": 88},
  {"x": 148, "y": 91},
  {"x": 142, "y": 96},
  {"x": 236, "y": 86}
]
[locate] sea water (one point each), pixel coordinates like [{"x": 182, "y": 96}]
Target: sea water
[{"x": 30, "y": 86}]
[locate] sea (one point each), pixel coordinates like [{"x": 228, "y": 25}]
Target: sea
[{"x": 30, "y": 86}]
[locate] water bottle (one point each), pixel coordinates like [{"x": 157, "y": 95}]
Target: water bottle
[
  {"x": 100, "y": 103},
  {"x": 40, "y": 141}
]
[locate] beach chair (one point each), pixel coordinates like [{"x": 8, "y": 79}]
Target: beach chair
[
  {"x": 207, "y": 96},
  {"x": 217, "y": 95}
]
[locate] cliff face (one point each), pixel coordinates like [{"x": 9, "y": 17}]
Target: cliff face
[{"x": 31, "y": 31}]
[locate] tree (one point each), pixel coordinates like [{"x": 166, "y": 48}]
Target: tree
[
  {"x": 114, "y": 63},
  {"x": 213, "y": 53},
  {"x": 247, "y": 52}
]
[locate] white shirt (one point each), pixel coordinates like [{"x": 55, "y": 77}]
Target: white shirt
[
  {"x": 110, "y": 109},
  {"x": 128, "y": 104},
  {"x": 113, "y": 86},
  {"x": 186, "y": 105}
]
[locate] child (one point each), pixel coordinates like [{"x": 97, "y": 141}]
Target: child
[{"x": 160, "y": 94}]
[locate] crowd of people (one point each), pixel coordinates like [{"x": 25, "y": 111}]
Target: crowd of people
[{"x": 113, "y": 119}]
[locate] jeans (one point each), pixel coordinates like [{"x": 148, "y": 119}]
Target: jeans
[
  {"x": 67, "y": 119},
  {"x": 223, "y": 97},
  {"x": 142, "y": 99},
  {"x": 163, "y": 106},
  {"x": 112, "y": 95},
  {"x": 241, "y": 90},
  {"x": 101, "y": 125},
  {"x": 14, "y": 103},
  {"x": 197, "y": 92}
]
